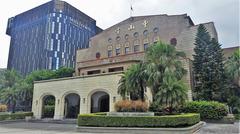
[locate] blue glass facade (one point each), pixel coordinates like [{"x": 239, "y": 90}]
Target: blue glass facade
[{"x": 48, "y": 36}]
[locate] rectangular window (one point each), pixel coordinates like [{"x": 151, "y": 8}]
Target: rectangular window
[
  {"x": 55, "y": 53},
  {"x": 50, "y": 63},
  {"x": 53, "y": 26},
  {"x": 118, "y": 51},
  {"x": 59, "y": 28},
  {"x": 51, "y": 46},
  {"x": 109, "y": 53},
  {"x": 145, "y": 46},
  {"x": 93, "y": 72},
  {"x": 136, "y": 48},
  {"x": 57, "y": 63},
  {"x": 116, "y": 69},
  {"x": 127, "y": 50}
]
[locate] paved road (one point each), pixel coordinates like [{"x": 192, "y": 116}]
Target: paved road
[
  {"x": 211, "y": 128},
  {"x": 50, "y": 128}
]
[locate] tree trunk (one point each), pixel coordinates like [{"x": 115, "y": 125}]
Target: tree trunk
[
  {"x": 13, "y": 107},
  {"x": 142, "y": 91}
]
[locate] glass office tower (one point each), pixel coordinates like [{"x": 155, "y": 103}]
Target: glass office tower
[{"x": 47, "y": 37}]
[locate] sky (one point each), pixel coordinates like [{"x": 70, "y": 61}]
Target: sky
[{"x": 224, "y": 14}]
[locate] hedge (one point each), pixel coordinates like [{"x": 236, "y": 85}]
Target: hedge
[
  {"x": 209, "y": 110},
  {"x": 14, "y": 116},
  {"x": 147, "y": 121}
]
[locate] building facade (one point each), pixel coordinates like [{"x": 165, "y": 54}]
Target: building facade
[
  {"x": 99, "y": 67},
  {"x": 47, "y": 37}
]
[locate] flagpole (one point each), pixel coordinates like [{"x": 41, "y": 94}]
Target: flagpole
[{"x": 131, "y": 8}]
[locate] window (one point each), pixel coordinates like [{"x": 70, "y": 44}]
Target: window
[
  {"x": 126, "y": 36},
  {"x": 50, "y": 63},
  {"x": 118, "y": 38},
  {"x": 109, "y": 40},
  {"x": 173, "y": 41},
  {"x": 109, "y": 53},
  {"x": 155, "y": 30},
  {"x": 145, "y": 33},
  {"x": 135, "y": 34},
  {"x": 136, "y": 48},
  {"x": 116, "y": 69},
  {"x": 98, "y": 55},
  {"x": 57, "y": 63},
  {"x": 93, "y": 72},
  {"x": 127, "y": 50},
  {"x": 145, "y": 46},
  {"x": 118, "y": 51},
  {"x": 53, "y": 26}
]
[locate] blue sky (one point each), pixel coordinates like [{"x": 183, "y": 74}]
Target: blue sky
[{"x": 224, "y": 13}]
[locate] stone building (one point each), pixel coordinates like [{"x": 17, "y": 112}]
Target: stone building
[{"x": 99, "y": 67}]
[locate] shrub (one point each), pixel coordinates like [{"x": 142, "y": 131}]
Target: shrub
[
  {"x": 48, "y": 110},
  {"x": 149, "y": 121},
  {"x": 3, "y": 108},
  {"x": 160, "y": 110},
  {"x": 237, "y": 116},
  {"x": 131, "y": 106},
  {"x": 207, "y": 109},
  {"x": 14, "y": 116}
]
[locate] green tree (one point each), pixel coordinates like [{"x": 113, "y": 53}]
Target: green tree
[
  {"x": 217, "y": 74},
  {"x": 133, "y": 82},
  {"x": 208, "y": 67},
  {"x": 159, "y": 58},
  {"x": 10, "y": 91},
  {"x": 162, "y": 71},
  {"x": 122, "y": 86},
  {"x": 172, "y": 92},
  {"x": 232, "y": 65},
  {"x": 232, "y": 91},
  {"x": 64, "y": 72},
  {"x": 27, "y": 85}
]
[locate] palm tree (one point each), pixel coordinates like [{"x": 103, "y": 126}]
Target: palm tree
[
  {"x": 10, "y": 91},
  {"x": 160, "y": 57},
  {"x": 10, "y": 97},
  {"x": 133, "y": 82},
  {"x": 232, "y": 66},
  {"x": 122, "y": 86},
  {"x": 172, "y": 92},
  {"x": 26, "y": 93}
]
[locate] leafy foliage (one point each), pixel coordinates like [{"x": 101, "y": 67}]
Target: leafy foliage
[
  {"x": 14, "y": 116},
  {"x": 232, "y": 91},
  {"x": 162, "y": 71},
  {"x": 10, "y": 92},
  {"x": 232, "y": 66},
  {"x": 208, "y": 67},
  {"x": 207, "y": 109},
  {"x": 15, "y": 88},
  {"x": 154, "y": 121}
]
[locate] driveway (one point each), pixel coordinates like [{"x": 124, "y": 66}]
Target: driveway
[
  {"x": 211, "y": 128},
  {"x": 51, "y": 128}
]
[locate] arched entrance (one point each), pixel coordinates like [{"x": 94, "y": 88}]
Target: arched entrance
[
  {"x": 48, "y": 106},
  {"x": 100, "y": 102},
  {"x": 71, "y": 105}
]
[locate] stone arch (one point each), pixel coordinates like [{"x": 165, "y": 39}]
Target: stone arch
[
  {"x": 47, "y": 105},
  {"x": 103, "y": 96},
  {"x": 70, "y": 103}
]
